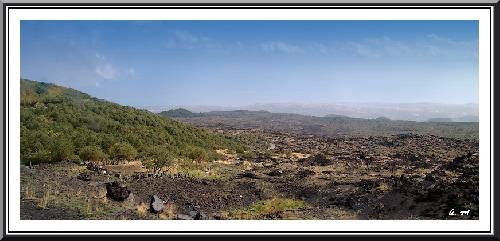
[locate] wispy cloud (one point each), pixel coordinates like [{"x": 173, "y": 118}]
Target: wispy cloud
[
  {"x": 381, "y": 46},
  {"x": 99, "y": 56},
  {"x": 131, "y": 71},
  {"x": 430, "y": 45},
  {"x": 278, "y": 46},
  {"x": 106, "y": 71},
  {"x": 427, "y": 46},
  {"x": 436, "y": 45},
  {"x": 181, "y": 39},
  {"x": 320, "y": 48}
]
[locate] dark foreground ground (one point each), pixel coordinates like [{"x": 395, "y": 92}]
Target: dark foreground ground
[{"x": 288, "y": 176}]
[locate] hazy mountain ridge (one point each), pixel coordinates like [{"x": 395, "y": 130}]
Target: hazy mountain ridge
[
  {"x": 330, "y": 126},
  {"x": 396, "y": 111}
]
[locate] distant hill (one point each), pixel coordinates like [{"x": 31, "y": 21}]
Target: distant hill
[
  {"x": 440, "y": 120},
  {"x": 59, "y": 123},
  {"x": 382, "y": 118},
  {"x": 336, "y": 116},
  {"x": 468, "y": 118},
  {"x": 237, "y": 113},
  {"x": 459, "y": 119},
  {"x": 333, "y": 125},
  {"x": 394, "y": 111},
  {"x": 179, "y": 112}
]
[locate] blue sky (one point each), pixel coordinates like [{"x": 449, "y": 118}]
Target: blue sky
[{"x": 236, "y": 63}]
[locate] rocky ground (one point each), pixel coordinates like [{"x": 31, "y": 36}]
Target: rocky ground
[{"x": 286, "y": 176}]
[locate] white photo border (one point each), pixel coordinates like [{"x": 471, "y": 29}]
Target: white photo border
[{"x": 14, "y": 225}]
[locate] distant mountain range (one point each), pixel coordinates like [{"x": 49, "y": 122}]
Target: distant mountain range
[
  {"x": 328, "y": 126},
  {"x": 432, "y": 112}
]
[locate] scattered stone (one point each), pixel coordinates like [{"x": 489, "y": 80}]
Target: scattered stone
[
  {"x": 197, "y": 215},
  {"x": 84, "y": 176},
  {"x": 157, "y": 205},
  {"x": 97, "y": 168},
  {"x": 92, "y": 166}
]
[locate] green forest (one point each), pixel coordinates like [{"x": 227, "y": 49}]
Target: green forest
[{"x": 60, "y": 124}]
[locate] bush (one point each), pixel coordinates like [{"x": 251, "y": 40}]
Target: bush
[
  {"x": 158, "y": 157},
  {"x": 122, "y": 151},
  {"x": 198, "y": 154},
  {"x": 92, "y": 154},
  {"x": 39, "y": 157},
  {"x": 62, "y": 150}
]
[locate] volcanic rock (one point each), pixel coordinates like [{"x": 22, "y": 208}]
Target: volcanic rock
[{"x": 117, "y": 192}]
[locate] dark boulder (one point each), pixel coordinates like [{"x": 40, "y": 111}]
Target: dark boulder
[{"x": 117, "y": 192}]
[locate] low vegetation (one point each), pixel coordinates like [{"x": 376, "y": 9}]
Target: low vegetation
[{"x": 269, "y": 209}]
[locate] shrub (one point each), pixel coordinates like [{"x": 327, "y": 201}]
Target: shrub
[
  {"x": 198, "y": 154},
  {"x": 122, "y": 151},
  {"x": 158, "y": 157},
  {"x": 92, "y": 154},
  {"x": 38, "y": 157},
  {"x": 62, "y": 150}
]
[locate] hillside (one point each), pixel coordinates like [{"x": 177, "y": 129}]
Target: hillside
[
  {"x": 180, "y": 112},
  {"x": 330, "y": 126},
  {"x": 59, "y": 123}
]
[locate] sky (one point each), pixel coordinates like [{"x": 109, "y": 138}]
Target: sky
[{"x": 237, "y": 63}]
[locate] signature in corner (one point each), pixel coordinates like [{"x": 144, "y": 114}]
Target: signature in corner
[{"x": 452, "y": 212}]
